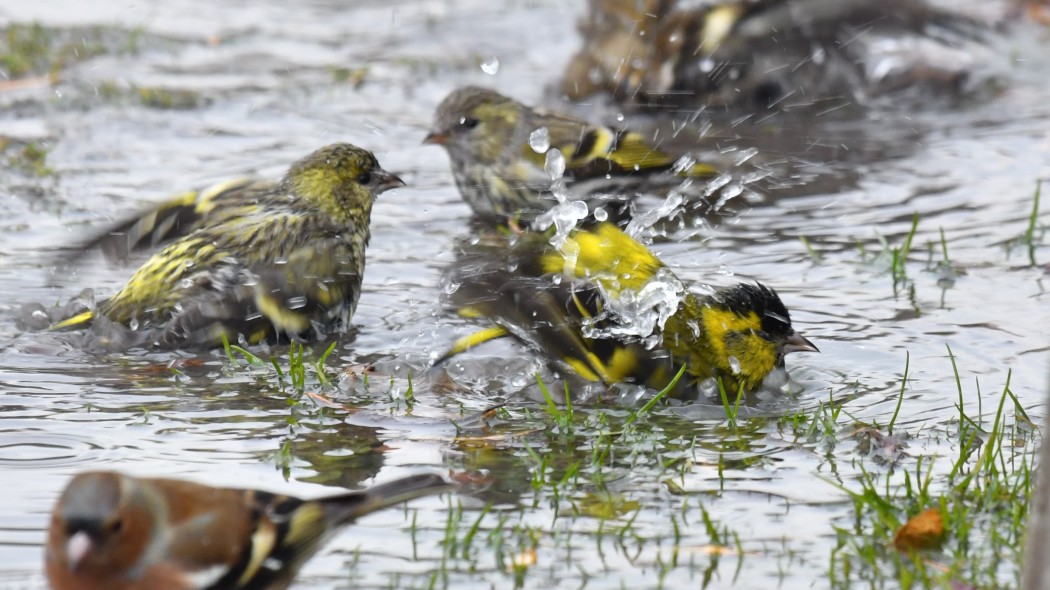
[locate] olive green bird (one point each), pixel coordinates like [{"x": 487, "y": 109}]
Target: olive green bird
[
  {"x": 267, "y": 265},
  {"x": 499, "y": 148},
  {"x": 571, "y": 305}
]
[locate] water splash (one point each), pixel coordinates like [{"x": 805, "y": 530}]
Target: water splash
[{"x": 639, "y": 314}]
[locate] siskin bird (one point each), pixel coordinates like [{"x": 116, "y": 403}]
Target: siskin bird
[
  {"x": 269, "y": 264},
  {"x": 603, "y": 307},
  {"x": 501, "y": 152},
  {"x": 771, "y": 54},
  {"x": 111, "y": 531}
]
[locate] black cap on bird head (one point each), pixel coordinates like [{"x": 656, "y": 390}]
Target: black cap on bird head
[{"x": 766, "y": 304}]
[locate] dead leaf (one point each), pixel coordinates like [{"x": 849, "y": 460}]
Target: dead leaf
[
  {"x": 883, "y": 448},
  {"x": 324, "y": 401},
  {"x": 925, "y": 530},
  {"x": 470, "y": 478}
]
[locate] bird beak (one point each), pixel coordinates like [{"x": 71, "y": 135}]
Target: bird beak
[
  {"x": 387, "y": 181},
  {"x": 435, "y": 138},
  {"x": 798, "y": 343},
  {"x": 77, "y": 548}
]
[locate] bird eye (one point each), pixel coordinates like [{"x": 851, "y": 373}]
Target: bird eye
[
  {"x": 364, "y": 178},
  {"x": 116, "y": 526},
  {"x": 468, "y": 122}
]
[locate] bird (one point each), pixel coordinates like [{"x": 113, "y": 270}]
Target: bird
[
  {"x": 601, "y": 306},
  {"x": 506, "y": 157},
  {"x": 113, "y": 531},
  {"x": 742, "y": 56},
  {"x": 263, "y": 265}
]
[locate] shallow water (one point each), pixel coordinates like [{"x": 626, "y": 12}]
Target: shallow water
[{"x": 263, "y": 75}]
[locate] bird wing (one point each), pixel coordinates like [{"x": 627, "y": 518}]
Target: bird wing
[
  {"x": 313, "y": 289},
  {"x": 173, "y": 218},
  {"x": 593, "y": 151}
]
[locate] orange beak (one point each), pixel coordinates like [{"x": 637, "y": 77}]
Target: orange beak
[{"x": 435, "y": 138}]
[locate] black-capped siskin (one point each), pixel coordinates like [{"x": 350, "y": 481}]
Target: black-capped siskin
[
  {"x": 266, "y": 264},
  {"x": 499, "y": 150},
  {"x": 603, "y": 307}
]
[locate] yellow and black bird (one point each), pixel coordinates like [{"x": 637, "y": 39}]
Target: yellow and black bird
[
  {"x": 506, "y": 156},
  {"x": 601, "y": 306},
  {"x": 111, "y": 531},
  {"x": 261, "y": 264}
]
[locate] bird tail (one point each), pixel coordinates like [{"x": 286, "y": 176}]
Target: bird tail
[
  {"x": 349, "y": 507},
  {"x": 80, "y": 320}
]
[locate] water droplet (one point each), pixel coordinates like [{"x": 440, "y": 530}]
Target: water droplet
[
  {"x": 683, "y": 164},
  {"x": 540, "y": 140},
  {"x": 745, "y": 155},
  {"x": 490, "y": 66},
  {"x": 296, "y": 302},
  {"x": 734, "y": 364},
  {"x": 555, "y": 164}
]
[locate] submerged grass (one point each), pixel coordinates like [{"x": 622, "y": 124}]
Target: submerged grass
[
  {"x": 982, "y": 498},
  {"x": 32, "y": 49},
  {"x": 654, "y": 494}
]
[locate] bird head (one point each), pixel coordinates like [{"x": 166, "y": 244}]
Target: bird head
[
  {"x": 96, "y": 530},
  {"x": 341, "y": 179},
  {"x": 475, "y": 123},
  {"x": 750, "y": 330}
]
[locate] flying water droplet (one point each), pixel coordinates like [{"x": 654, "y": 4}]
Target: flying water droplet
[
  {"x": 540, "y": 140},
  {"x": 490, "y": 66},
  {"x": 734, "y": 363},
  {"x": 745, "y": 155},
  {"x": 554, "y": 164},
  {"x": 683, "y": 164}
]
